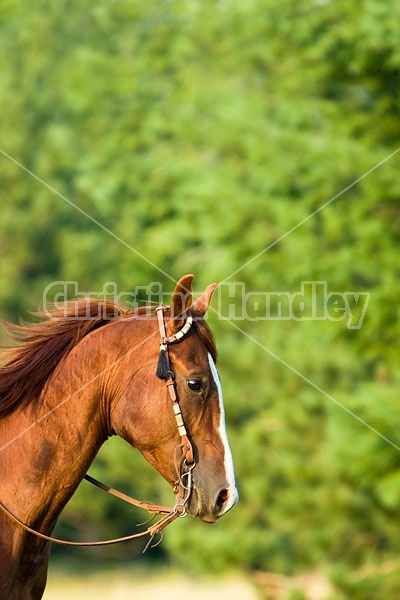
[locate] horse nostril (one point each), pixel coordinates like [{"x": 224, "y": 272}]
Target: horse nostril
[{"x": 222, "y": 499}]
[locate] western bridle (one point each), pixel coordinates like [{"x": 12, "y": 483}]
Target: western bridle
[
  {"x": 184, "y": 484},
  {"x": 167, "y": 374}
]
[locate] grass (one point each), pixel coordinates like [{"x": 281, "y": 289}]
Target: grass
[{"x": 143, "y": 585}]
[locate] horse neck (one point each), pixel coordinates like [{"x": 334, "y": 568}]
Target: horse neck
[{"x": 50, "y": 446}]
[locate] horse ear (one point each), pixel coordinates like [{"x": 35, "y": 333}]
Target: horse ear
[
  {"x": 181, "y": 299},
  {"x": 200, "y": 307}
]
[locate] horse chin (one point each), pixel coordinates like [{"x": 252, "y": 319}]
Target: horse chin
[
  {"x": 195, "y": 508},
  {"x": 203, "y": 516},
  {"x": 207, "y": 519}
]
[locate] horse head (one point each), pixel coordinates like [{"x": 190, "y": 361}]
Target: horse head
[
  {"x": 86, "y": 371},
  {"x": 145, "y": 413}
]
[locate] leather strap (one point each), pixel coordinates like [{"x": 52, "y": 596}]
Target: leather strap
[
  {"x": 186, "y": 444},
  {"x": 149, "y": 506},
  {"x": 152, "y": 531}
]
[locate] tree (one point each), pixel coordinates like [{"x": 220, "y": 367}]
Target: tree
[{"x": 201, "y": 134}]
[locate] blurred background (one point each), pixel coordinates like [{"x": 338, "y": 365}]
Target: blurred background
[{"x": 197, "y": 134}]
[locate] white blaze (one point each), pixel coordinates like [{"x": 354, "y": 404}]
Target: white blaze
[{"x": 228, "y": 462}]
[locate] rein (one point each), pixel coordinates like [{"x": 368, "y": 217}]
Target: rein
[{"x": 183, "y": 486}]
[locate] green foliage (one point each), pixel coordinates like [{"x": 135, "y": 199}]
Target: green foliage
[{"x": 198, "y": 134}]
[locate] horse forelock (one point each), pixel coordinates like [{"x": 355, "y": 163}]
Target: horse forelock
[{"x": 206, "y": 336}]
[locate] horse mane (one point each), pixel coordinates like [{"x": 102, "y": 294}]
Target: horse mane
[{"x": 42, "y": 345}]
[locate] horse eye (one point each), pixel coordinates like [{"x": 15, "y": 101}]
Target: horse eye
[{"x": 196, "y": 385}]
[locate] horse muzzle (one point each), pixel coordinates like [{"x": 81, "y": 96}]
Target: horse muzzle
[{"x": 209, "y": 506}]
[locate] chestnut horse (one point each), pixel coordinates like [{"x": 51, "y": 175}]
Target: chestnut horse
[{"x": 85, "y": 373}]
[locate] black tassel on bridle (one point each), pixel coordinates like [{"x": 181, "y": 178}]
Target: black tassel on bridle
[
  {"x": 163, "y": 363},
  {"x": 163, "y": 366}
]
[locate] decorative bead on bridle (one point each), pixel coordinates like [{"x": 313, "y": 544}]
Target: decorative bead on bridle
[{"x": 164, "y": 371}]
